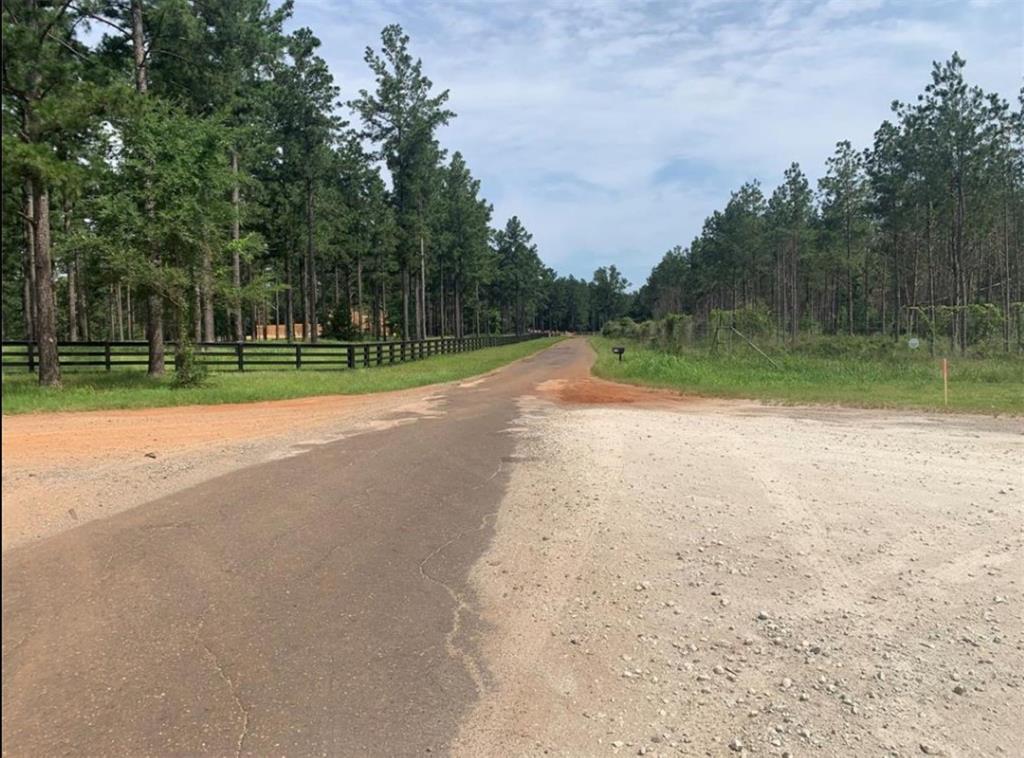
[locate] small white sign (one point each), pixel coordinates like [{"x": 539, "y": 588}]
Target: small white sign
[{"x": 914, "y": 343}]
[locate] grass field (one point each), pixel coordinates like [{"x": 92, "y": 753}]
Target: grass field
[
  {"x": 983, "y": 385},
  {"x": 131, "y": 388}
]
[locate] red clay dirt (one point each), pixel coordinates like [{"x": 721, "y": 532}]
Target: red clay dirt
[
  {"x": 37, "y": 437},
  {"x": 589, "y": 390}
]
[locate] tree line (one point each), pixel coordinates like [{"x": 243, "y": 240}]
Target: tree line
[
  {"x": 920, "y": 233},
  {"x": 189, "y": 170}
]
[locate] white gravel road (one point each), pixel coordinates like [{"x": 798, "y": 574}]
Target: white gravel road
[{"x": 747, "y": 580}]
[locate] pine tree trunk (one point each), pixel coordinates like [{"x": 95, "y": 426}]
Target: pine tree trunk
[
  {"x": 795, "y": 282},
  {"x": 72, "y": 303},
  {"x": 111, "y": 327},
  {"x": 46, "y": 317},
  {"x": 155, "y": 333},
  {"x": 417, "y": 304},
  {"x": 897, "y": 321},
  {"x": 305, "y": 299},
  {"x": 29, "y": 291},
  {"x": 208, "y": 325},
  {"x": 883, "y": 259},
  {"x": 311, "y": 262},
  {"x": 289, "y": 325},
  {"x": 1006, "y": 273},
  {"x": 931, "y": 282},
  {"x": 197, "y": 311},
  {"x": 359, "y": 292},
  {"x": 849, "y": 275},
  {"x": 72, "y": 277},
  {"x": 385, "y": 327},
  {"x": 236, "y": 258},
  {"x": 442, "y": 322},
  {"x": 423, "y": 288},
  {"x": 405, "y": 301},
  {"x": 154, "y": 300},
  {"x": 459, "y": 332},
  {"x": 120, "y": 313},
  {"x": 867, "y": 296},
  {"x": 139, "y": 48}
]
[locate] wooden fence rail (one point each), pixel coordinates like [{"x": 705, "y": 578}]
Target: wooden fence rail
[{"x": 237, "y": 356}]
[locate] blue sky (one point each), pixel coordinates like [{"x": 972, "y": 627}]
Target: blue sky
[{"x": 613, "y": 128}]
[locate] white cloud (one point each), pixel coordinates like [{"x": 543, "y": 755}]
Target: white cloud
[{"x": 567, "y": 110}]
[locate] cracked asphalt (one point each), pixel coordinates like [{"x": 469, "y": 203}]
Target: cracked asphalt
[{"x": 315, "y": 605}]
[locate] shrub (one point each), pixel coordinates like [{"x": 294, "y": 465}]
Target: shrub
[{"x": 188, "y": 371}]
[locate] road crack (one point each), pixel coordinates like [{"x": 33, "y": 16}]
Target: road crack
[
  {"x": 452, "y": 648},
  {"x": 227, "y": 680}
]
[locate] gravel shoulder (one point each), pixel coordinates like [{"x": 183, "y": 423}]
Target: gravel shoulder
[{"x": 716, "y": 578}]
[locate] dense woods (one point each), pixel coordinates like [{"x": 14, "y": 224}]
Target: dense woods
[
  {"x": 191, "y": 172},
  {"x": 920, "y": 233}
]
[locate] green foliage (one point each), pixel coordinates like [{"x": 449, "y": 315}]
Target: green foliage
[
  {"x": 519, "y": 273},
  {"x": 340, "y": 325},
  {"x": 608, "y": 298},
  {"x": 984, "y": 321},
  {"x": 930, "y": 217},
  {"x": 843, "y": 370},
  {"x": 753, "y": 321},
  {"x": 87, "y": 390},
  {"x": 188, "y": 371},
  {"x": 221, "y": 175}
]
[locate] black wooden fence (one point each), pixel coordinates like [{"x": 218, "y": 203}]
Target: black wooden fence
[{"x": 237, "y": 356}]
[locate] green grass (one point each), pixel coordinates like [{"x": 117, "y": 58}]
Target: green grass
[
  {"x": 131, "y": 388},
  {"x": 982, "y": 385}
]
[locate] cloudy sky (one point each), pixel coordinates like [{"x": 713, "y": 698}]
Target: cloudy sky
[{"x": 613, "y": 128}]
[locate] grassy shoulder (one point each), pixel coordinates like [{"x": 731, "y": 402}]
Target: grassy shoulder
[
  {"x": 126, "y": 388},
  {"x": 979, "y": 385}
]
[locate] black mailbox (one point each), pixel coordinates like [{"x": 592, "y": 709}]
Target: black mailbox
[{"x": 619, "y": 351}]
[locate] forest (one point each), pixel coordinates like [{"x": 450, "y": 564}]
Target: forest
[
  {"x": 918, "y": 234},
  {"x": 190, "y": 172}
]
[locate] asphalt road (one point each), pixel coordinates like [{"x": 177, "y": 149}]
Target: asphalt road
[{"x": 316, "y": 605}]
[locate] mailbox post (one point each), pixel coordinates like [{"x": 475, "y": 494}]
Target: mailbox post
[{"x": 619, "y": 351}]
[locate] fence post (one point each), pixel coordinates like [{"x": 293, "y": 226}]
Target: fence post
[
  {"x": 31, "y": 358},
  {"x": 298, "y": 356},
  {"x": 239, "y": 347},
  {"x": 391, "y": 352},
  {"x": 366, "y": 355},
  {"x": 106, "y": 355},
  {"x": 351, "y": 356}
]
